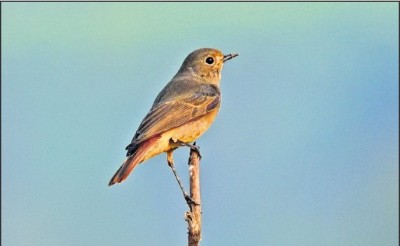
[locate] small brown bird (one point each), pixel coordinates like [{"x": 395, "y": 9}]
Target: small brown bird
[{"x": 181, "y": 113}]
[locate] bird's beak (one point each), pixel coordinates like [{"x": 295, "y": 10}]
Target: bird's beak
[{"x": 230, "y": 56}]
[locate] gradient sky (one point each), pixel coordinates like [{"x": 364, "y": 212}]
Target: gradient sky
[{"x": 304, "y": 150}]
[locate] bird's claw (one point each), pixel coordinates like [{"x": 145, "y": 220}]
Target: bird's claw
[
  {"x": 192, "y": 147},
  {"x": 195, "y": 148}
]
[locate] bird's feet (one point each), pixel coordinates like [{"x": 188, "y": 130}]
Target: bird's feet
[
  {"x": 193, "y": 147},
  {"x": 196, "y": 148}
]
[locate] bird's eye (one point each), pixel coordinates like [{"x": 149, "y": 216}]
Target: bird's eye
[{"x": 209, "y": 60}]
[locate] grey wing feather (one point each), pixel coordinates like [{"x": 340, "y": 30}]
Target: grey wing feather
[{"x": 205, "y": 99}]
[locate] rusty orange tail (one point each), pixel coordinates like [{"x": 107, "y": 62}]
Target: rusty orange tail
[
  {"x": 132, "y": 161},
  {"x": 124, "y": 171}
]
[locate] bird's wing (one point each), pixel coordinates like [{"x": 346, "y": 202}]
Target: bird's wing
[{"x": 173, "y": 113}]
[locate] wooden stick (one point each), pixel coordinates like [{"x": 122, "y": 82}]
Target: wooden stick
[{"x": 193, "y": 217}]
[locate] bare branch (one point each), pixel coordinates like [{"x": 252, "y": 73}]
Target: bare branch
[{"x": 193, "y": 217}]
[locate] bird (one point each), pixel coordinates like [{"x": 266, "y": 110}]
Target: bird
[{"x": 183, "y": 110}]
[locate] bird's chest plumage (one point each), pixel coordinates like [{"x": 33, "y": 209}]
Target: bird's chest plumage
[
  {"x": 192, "y": 130},
  {"x": 186, "y": 133}
]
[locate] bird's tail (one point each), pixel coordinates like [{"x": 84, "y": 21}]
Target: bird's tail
[
  {"x": 132, "y": 161},
  {"x": 124, "y": 171}
]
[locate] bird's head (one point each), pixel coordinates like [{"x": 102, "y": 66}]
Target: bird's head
[{"x": 206, "y": 63}]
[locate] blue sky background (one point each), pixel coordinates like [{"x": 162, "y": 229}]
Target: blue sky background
[{"x": 304, "y": 150}]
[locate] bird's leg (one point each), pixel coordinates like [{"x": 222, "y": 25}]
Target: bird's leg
[
  {"x": 191, "y": 146},
  {"x": 170, "y": 161}
]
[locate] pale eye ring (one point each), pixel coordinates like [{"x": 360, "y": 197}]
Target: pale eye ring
[{"x": 210, "y": 60}]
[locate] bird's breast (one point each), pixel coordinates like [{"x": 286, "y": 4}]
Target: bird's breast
[
  {"x": 193, "y": 129},
  {"x": 186, "y": 133}
]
